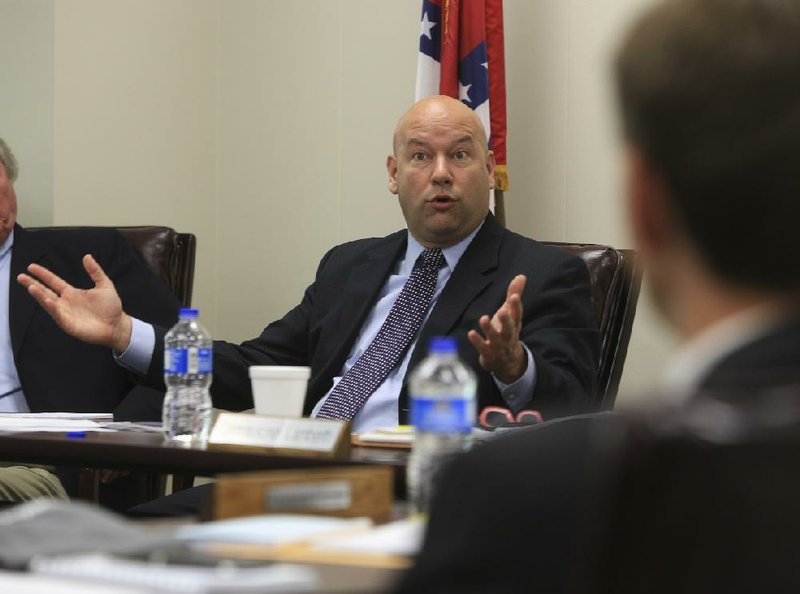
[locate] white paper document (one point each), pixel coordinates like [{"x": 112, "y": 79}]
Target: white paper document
[
  {"x": 19, "y": 423},
  {"x": 272, "y": 529},
  {"x": 402, "y": 434},
  {"x": 66, "y": 421}
]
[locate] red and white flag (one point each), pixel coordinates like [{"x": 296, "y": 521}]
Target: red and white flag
[{"x": 461, "y": 54}]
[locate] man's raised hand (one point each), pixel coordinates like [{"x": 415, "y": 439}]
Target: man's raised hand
[
  {"x": 93, "y": 315},
  {"x": 499, "y": 348}
]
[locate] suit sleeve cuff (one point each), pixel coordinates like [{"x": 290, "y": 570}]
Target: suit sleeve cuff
[
  {"x": 139, "y": 353},
  {"x": 520, "y": 393}
]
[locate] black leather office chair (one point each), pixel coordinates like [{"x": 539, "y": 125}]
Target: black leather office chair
[
  {"x": 169, "y": 254},
  {"x": 616, "y": 278}
]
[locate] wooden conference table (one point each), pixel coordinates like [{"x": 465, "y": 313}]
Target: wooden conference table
[{"x": 151, "y": 452}]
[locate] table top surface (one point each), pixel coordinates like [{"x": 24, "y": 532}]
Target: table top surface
[{"x": 151, "y": 452}]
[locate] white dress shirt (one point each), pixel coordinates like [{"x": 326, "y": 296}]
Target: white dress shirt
[{"x": 11, "y": 397}]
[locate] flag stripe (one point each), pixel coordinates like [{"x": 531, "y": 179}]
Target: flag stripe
[
  {"x": 495, "y": 41},
  {"x": 449, "y": 53}
]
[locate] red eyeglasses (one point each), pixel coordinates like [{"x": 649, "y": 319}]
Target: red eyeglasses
[{"x": 497, "y": 416}]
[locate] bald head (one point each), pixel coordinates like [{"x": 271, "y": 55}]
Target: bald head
[
  {"x": 438, "y": 108},
  {"x": 441, "y": 171}
]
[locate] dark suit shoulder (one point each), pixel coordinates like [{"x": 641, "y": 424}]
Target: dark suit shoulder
[
  {"x": 361, "y": 246},
  {"x": 65, "y": 247},
  {"x": 348, "y": 253},
  {"x": 76, "y": 238}
]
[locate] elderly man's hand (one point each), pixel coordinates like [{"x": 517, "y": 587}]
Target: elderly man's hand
[
  {"x": 93, "y": 315},
  {"x": 499, "y": 348}
]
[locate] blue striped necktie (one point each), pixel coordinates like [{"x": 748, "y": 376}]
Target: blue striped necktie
[{"x": 391, "y": 342}]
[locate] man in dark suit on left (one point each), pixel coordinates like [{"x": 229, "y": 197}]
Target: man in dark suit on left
[{"x": 42, "y": 369}]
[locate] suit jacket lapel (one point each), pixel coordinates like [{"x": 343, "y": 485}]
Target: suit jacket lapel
[
  {"x": 21, "y": 306},
  {"x": 474, "y": 272},
  {"x": 363, "y": 284}
]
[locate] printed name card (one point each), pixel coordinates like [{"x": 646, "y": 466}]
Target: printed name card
[{"x": 319, "y": 437}]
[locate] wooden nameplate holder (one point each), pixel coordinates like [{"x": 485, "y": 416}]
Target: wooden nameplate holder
[
  {"x": 346, "y": 492},
  {"x": 319, "y": 438}
]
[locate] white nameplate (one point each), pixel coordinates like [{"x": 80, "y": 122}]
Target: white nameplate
[{"x": 313, "y": 435}]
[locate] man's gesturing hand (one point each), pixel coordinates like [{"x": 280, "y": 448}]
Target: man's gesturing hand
[
  {"x": 92, "y": 315},
  {"x": 499, "y": 348}
]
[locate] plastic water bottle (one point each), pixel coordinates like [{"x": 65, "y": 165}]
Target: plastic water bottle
[
  {"x": 442, "y": 392},
  {"x": 187, "y": 374}
]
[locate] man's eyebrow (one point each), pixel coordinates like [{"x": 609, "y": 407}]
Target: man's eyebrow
[{"x": 467, "y": 138}]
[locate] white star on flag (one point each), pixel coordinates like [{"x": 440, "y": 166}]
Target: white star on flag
[
  {"x": 463, "y": 92},
  {"x": 425, "y": 26}
]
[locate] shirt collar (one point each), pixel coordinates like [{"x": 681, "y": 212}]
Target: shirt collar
[
  {"x": 452, "y": 254},
  {"x": 695, "y": 359}
]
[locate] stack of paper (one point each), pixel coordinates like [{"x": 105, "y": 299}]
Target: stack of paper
[{"x": 400, "y": 436}]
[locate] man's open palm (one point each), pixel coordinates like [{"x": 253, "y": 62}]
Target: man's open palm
[{"x": 93, "y": 315}]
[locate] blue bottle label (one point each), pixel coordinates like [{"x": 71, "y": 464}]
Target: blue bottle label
[
  {"x": 174, "y": 361},
  {"x": 190, "y": 360},
  {"x": 452, "y": 415}
]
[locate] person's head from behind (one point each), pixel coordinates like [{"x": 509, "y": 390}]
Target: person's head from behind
[
  {"x": 709, "y": 94},
  {"x": 441, "y": 170},
  {"x": 8, "y": 199}
]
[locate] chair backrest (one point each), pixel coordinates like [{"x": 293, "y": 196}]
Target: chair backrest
[
  {"x": 169, "y": 254},
  {"x": 697, "y": 505},
  {"x": 616, "y": 278}
]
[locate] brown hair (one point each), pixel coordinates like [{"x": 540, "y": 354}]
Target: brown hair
[{"x": 709, "y": 91}]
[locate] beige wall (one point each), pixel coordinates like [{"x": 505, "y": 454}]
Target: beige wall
[
  {"x": 564, "y": 155},
  {"x": 26, "y": 102},
  {"x": 305, "y": 127},
  {"x": 135, "y": 119},
  {"x": 263, "y": 125}
]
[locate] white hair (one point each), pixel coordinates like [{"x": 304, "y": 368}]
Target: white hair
[{"x": 9, "y": 161}]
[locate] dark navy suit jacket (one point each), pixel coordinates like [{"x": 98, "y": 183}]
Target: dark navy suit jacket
[
  {"x": 559, "y": 326},
  {"x": 60, "y": 373}
]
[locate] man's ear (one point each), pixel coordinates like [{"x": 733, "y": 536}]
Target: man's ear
[
  {"x": 391, "y": 167},
  {"x": 649, "y": 210}
]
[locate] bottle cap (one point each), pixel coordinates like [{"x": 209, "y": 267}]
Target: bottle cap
[
  {"x": 186, "y": 312},
  {"x": 443, "y": 344}
]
